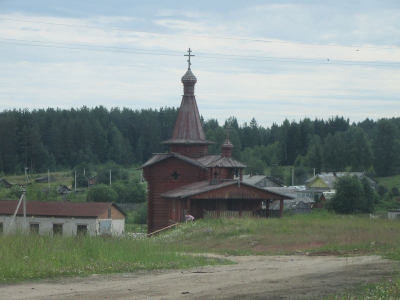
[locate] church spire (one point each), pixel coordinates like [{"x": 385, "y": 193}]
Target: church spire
[
  {"x": 188, "y": 127},
  {"x": 189, "y": 80}
]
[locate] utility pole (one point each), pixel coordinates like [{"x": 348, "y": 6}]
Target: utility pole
[
  {"x": 26, "y": 175},
  {"x": 75, "y": 180},
  {"x": 110, "y": 177},
  {"x": 22, "y": 199},
  {"x": 48, "y": 177}
]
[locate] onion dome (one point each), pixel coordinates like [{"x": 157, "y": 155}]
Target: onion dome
[{"x": 189, "y": 78}]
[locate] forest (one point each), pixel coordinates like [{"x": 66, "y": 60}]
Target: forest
[{"x": 60, "y": 139}]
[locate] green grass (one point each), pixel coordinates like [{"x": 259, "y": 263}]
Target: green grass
[
  {"x": 319, "y": 232},
  {"x": 24, "y": 257},
  {"x": 385, "y": 289},
  {"x": 38, "y": 257},
  {"x": 63, "y": 178},
  {"x": 389, "y": 182}
]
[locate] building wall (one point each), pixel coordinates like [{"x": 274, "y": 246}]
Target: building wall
[
  {"x": 116, "y": 214},
  {"x": 159, "y": 181},
  {"x": 118, "y": 227},
  {"x": 318, "y": 183},
  {"x": 69, "y": 225},
  {"x": 190, "y": 150},
  {"x": 394, "y": 215}
]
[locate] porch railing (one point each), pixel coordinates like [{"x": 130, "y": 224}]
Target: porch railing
[{"x": 229, "y": 214}]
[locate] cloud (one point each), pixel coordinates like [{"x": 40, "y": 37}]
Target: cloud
[{"x": 234, "y": 83}]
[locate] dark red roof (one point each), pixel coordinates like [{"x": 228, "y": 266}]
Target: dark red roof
[{"x": 56, "y": 209}]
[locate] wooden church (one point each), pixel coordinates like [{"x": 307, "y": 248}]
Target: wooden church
[{"x": 187, "y": 180}]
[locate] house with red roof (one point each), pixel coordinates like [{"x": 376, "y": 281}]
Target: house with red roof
[
  {"x": 188, "y": 181},
  {"x": 64, "y": 218}
]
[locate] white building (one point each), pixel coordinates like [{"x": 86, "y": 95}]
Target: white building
[
  {"x": 394, "y": 214},
  {"x": 62, "y": 218}
]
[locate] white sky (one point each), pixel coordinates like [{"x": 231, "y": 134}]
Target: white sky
[{"x": 321, "y": 58}]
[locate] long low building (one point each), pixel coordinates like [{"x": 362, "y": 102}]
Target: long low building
[{"x": 64, "y": 218}]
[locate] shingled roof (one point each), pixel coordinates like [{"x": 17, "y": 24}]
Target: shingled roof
[
  {"x": 188, "y": 127},
  {"x": 56, "y": 209}
]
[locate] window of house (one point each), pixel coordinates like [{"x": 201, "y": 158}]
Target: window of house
[
  {"x": 1, "y": 228},
  {"x": 109, "y": 213},
  {"x": 81, "y": 229},
  {"x": 34, "y": 227},
  {"x": 57, "y": 229}
]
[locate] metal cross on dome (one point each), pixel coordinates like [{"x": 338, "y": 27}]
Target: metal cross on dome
[{"x": 189, "y": 63}]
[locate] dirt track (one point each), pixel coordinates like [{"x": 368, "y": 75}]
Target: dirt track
[{"x": 254, "y": 277}]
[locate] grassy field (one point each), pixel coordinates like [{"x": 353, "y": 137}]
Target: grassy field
[
  {"x": 37, "y": 257},
  {"x": 24, "y": 257},
  {"x": 317, "y": 233},
  {"x": 389, "y": 182}
]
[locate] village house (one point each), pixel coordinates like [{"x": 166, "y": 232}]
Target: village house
[
  {"x": 61, "y": 218},
  {"x": 188, "y": 181},
  {"x": 45, "y": 179},
  {"x": 326, "y": 181},
  {"x": 262, "y": 181},
  {"x": 5, "y": 183}
]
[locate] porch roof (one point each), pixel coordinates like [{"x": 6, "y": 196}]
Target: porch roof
[{"x": 205, "y": 186}]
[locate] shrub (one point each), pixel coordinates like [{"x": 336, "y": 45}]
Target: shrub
[
  {"x": 140, "y": 216},
  {"x": 102, "y": 193}
]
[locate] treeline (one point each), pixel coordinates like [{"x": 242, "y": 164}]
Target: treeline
[{"x": 57, "y": 138}]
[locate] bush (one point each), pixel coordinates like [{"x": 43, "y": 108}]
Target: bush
[
  {"x": 382, "y": 190},
  {"x": 395, "y": 191},
  {"x": 130, "y": 192},
  {"x": 348, "y": 197},
  {"x": 101, "y": 193},
  {"x": 140, "y": 216}
]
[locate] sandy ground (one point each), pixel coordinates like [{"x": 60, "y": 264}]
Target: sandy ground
[{"x": 253, "y": 277}]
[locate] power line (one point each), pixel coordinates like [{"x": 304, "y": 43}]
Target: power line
[
  {"x": 199, "y": 54},
  {"x": 198, "y": 36}
]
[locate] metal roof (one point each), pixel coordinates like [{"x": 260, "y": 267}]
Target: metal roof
[
  {"x": 226, "y": 162},
  {"x": 160, "y": 157},
  {"x": 208, "y": 161},
  {"x": 195, "y": 188},
  {"x": 253, "y": 179},
  {"x": 288, "y": 191},
  {"x": 187, "y": 141},
  {"x": 56, "y": 209},
  {"x": 329, "y": 178},
  {"x": 205, "y": 186}
]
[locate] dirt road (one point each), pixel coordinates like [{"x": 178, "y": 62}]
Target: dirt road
[{"x": 253, "y": 277}]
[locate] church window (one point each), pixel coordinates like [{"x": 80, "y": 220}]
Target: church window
[{"x": 175, "y": 175}]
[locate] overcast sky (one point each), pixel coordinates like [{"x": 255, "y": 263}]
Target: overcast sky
[{"x": 270, "y": 60}]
